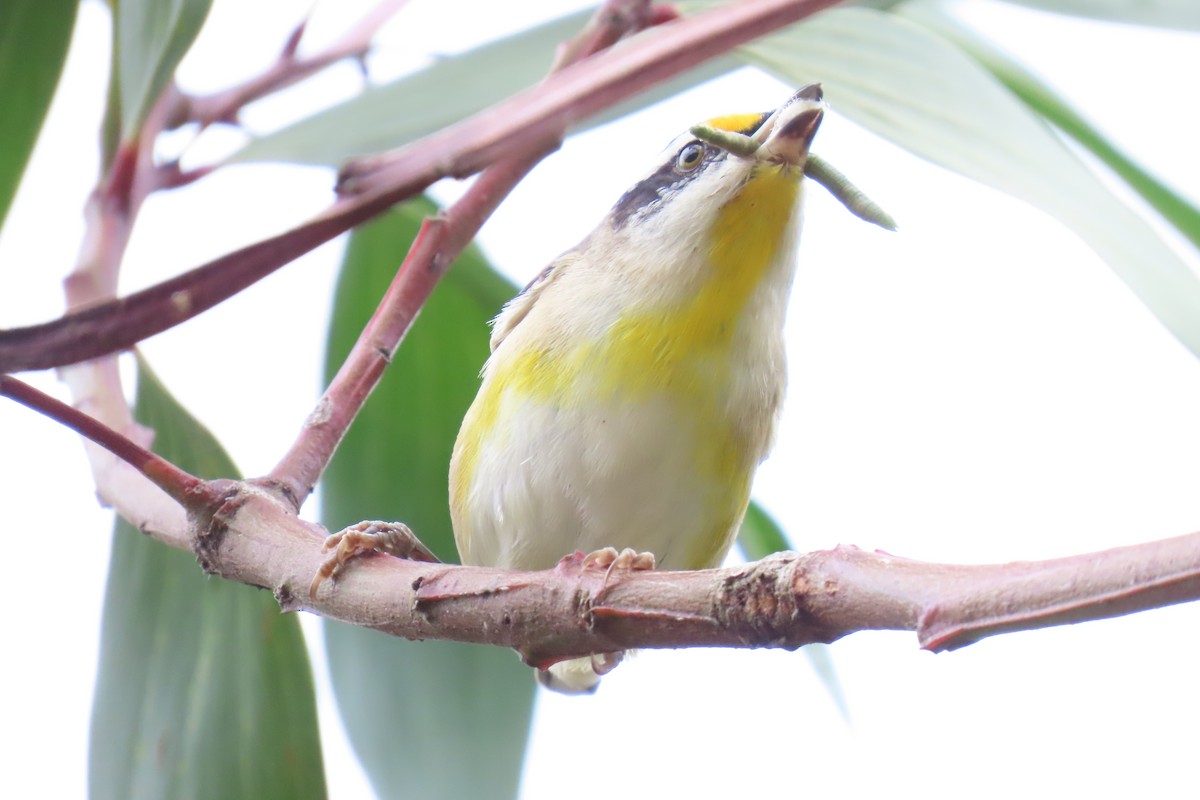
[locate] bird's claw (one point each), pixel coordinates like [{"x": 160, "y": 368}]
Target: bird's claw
[{"x": 371, "y": 536}]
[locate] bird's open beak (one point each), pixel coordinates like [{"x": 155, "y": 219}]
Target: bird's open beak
[{"x": 787, "y": 134}]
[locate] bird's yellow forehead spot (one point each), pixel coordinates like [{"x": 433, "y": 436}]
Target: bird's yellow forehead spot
[{"x": 737, "y": 123}]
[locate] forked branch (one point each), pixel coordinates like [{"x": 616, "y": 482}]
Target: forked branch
[
  {"x": 244, "y": 532},
  {"x": 509, "y": 129}
]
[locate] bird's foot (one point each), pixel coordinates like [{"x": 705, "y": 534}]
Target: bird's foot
[
  {"x": 627, "y": 559},
  {"x": 609, "y": 560},
  {"x": 371, "y": 536}
]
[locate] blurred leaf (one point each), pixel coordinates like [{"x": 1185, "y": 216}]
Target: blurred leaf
[
  {"x": 34, "y": 35},
  {"x": 1183, "y": 14},
  {"x": 110, "y": 124},
  {"x": 911, "y": 86},
  {"x": 403, "y": 702},
  {"x": 1038, "y": 96},
  {"x": 449, "y": 90},
  {"x": 669, "y": 88},
  {"x": 204, "y": 688},
  {"x": 761, "y": 536},
  {"x": 151, "y": 38},
  {"x": 396, "y": 113}
]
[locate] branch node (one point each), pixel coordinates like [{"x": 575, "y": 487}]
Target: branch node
[
  {"x": 282, "y": 491},
  {"x": 288, "y": 602},
  {"x": 758, "y": 602},
  {"x": 211, "y": 521}
]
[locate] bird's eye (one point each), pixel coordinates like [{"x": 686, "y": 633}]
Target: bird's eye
[{"x": 690, "y": 157}]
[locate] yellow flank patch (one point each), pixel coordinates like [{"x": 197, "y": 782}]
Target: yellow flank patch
[
  {"x": 535, "y": 374},
  {"x": 728, "y": 505},
  {"x": 737, "y": 123}
]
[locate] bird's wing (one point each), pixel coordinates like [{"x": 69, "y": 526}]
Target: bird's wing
[{"x": 519, "y": 307}]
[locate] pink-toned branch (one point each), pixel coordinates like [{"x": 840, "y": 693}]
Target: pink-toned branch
[
  {"x": 177, "y": 483},
  {"x": 579, "y": 91},
  {"x": 786, "y": 600},
  {"x": 148, "y": 494},
  {"x": 438, "y": 244},
  {"x": 246, "y": 532},
  {"x": 288, "y": 69},
  {"x": 539, "y": 114}
]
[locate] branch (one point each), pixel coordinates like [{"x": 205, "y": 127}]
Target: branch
[
  {"x": 288, "y": 69},
  {"x": 583, "y": 89},
  {"x": 95, "y": 385},
  {"x": 439, "y": 242},
  {"x": 505, "y": 130},
  {"x": 786, "y": 600},
  {"x": 244, "y": 532},
  {"x": 171, "y": 479}
]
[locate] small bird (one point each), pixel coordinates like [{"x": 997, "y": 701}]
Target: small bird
[{"x": 634, "y": 385}]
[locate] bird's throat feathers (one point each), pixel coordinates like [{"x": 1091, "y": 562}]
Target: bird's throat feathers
[
  {"x": 750, "y": 242},
  {"x": 752, "y": 233},
  {"x": 669, "y": 325}
]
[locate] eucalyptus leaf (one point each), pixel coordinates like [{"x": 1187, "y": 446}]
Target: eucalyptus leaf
[
  {"x": 447, "y": 91},
  {"x": 760, "y": 534},
  {"x": 1182, "y": 14},
  {"x": 34, "y": 35},
  {"x": 1056, "y": 110},
  {"x": 393, "y": 114},
  {"x": 151, "y": 38},
  {"x": 906, "y": 83},
  {"x": 204, "y": 688},
  {"x": 427, "y": 719}
]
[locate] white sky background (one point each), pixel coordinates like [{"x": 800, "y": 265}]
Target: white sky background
[{"x": 977, "y": 387}]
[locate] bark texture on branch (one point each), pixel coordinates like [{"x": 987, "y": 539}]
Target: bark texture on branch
[{"x": 785, "y": 601}]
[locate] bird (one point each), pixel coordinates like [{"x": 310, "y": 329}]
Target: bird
[{"x": 635, "y": 385}]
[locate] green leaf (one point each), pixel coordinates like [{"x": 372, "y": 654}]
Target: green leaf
[
  {"x": 761, "y": 536},
  {"x": 397, "y": 113},
  {"x": 151, "y": 38},
  {"x": 204, "y": 689},
  {"x": 34, "y": 35},
  {"x": 909, "y": 85},
  {"x": 401, "y": 701},
  {"x": 1182, "y": 14},
  {"x": 1042, "y": 99}
]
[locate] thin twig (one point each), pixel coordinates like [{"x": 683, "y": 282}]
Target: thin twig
[
  {"x": 165, "y": 475},
  {"x": 224, "y": 106}
]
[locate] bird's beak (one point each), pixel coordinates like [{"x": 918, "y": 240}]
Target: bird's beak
[{"x": 787, "y": 134}]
